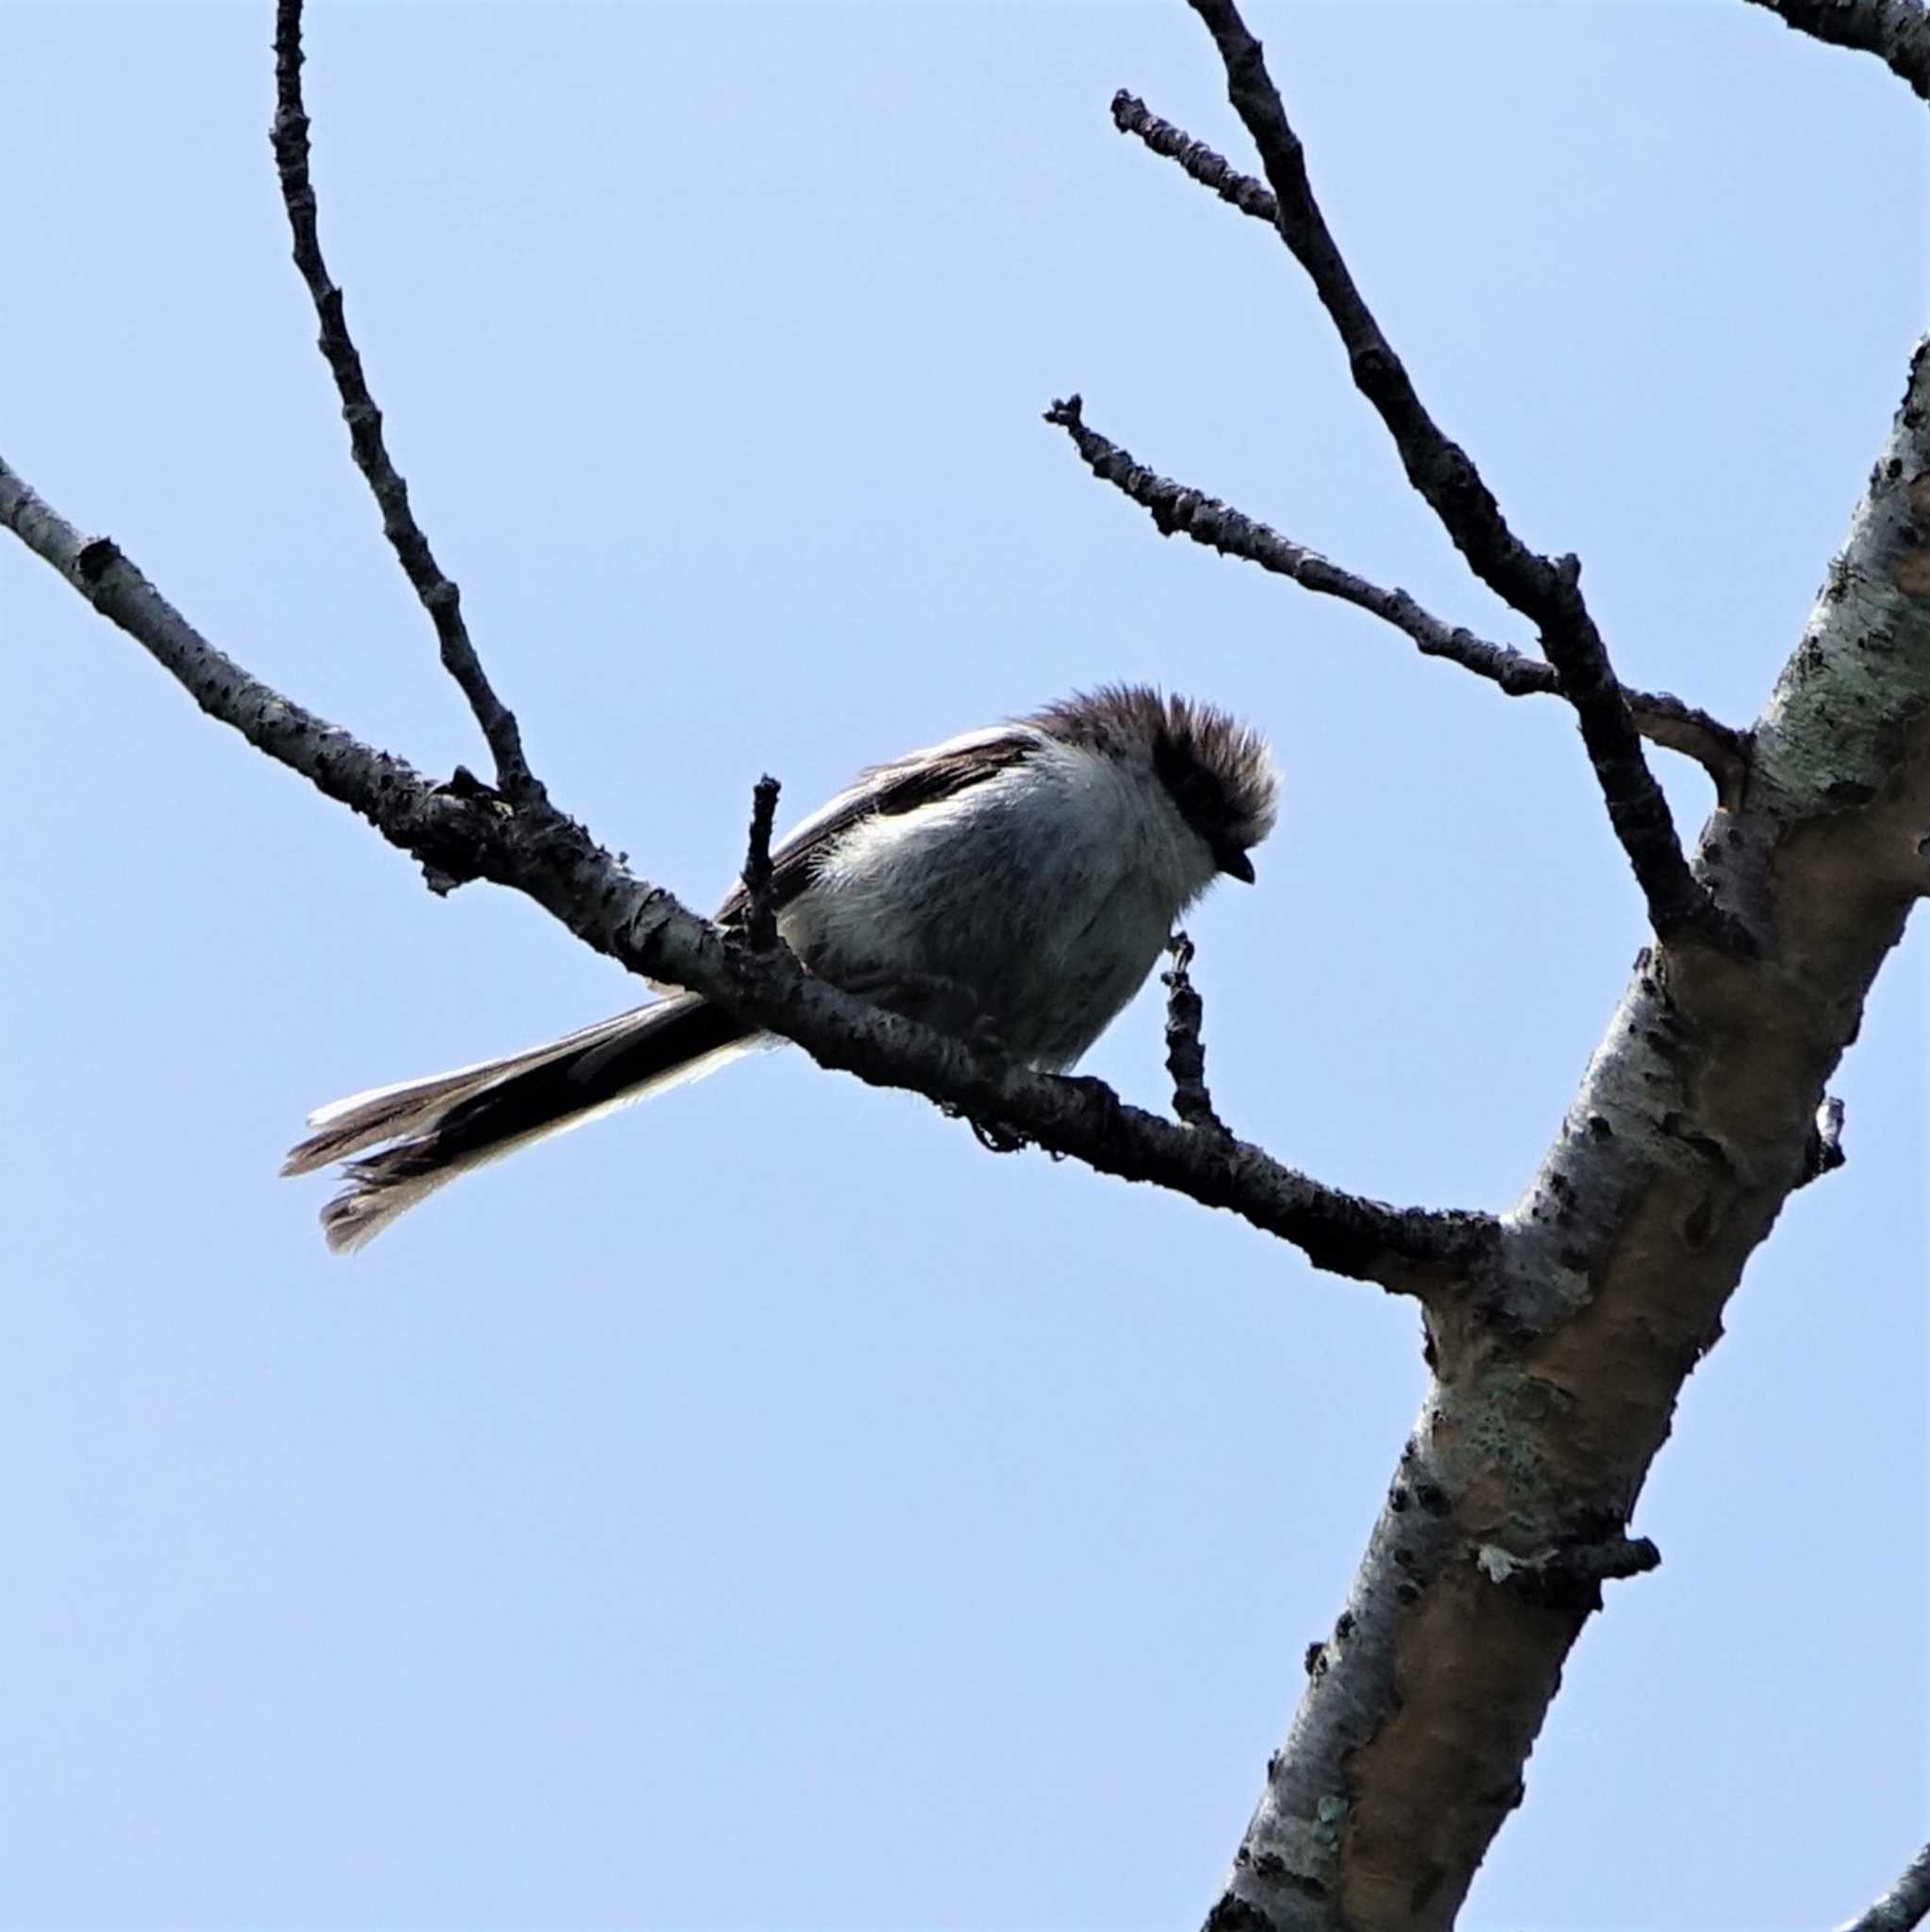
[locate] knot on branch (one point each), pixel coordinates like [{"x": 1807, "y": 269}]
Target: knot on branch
[
  {"x": 1825, "y": 1153},
  {"x": 1569, "y": 1576},
  {"x": 98, "y": 557}
]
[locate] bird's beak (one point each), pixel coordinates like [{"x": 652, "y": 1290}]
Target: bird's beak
[{"x": 1235, "y": 863}]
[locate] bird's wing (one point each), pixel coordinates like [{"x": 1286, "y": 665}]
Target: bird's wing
[{"x": 920, "y": 778}]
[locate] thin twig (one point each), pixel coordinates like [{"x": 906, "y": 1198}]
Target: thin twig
[
  {"x": 761, "y": 918},
  {"x": 1185, "y": 1053},
  {"x": 531, "y": 847},
  {"x": 1131, "y": 115},
  {"x": 437, "y": 593},
  {"x": 1174, "y": 508},
  {"x": 1904, "y": 1907},
  {"x": 1547, "y": 591},
  {"x": 1896, "y": 31}
]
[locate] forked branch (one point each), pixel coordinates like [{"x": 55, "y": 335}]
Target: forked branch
[{"x": 1547, "y": 591}]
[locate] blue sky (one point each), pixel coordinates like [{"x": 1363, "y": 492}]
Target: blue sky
[{"x": 765, "y": 1509}]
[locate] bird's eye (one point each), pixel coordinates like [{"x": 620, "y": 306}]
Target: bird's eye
[
  {"x": 1200, "y": 797},
  {"x": 1196, "y": 791}
]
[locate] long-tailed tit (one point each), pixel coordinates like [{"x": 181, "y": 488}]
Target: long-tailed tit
[{"x": 1023, "y": 879}]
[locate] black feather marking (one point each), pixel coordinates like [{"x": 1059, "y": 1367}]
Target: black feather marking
[
  {"x": 1216, "y": 770},
  {"x": 552, "y": 1091},
  {"x": 882, "y": 791}
]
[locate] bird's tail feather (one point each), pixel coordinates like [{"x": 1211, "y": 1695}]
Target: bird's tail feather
[{"x": 448, "y": 1124}]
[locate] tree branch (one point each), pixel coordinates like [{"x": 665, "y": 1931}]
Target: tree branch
[
  {"x": 1904, "y": 1907},
  {"x": 438, "y": 595},
  {"x": 1896, "y": 31},
  {"x": 1546, "y": 591},
  {"x": 1721, "y": 750},
  {"x": 460, "y": 832}
]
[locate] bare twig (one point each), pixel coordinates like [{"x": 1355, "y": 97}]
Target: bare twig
[
  {"x": 1547, "y": 591},
  {"x": 1896, "y": 31},
  {"x": 1174, "y": 508},
  {"x": 1904, "y": 1907},
  {"x": 437, "y": 593},
  {"x": 1131, "y": 115},
  {"x": 761, "y": 919},
  {"x": 461, "y": 833},
  {"x": 1185, "y": 1053}
]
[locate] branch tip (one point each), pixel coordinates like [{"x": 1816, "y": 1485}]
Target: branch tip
[{"x": 761, "y": 919}]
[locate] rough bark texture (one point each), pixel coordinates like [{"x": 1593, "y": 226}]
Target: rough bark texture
[{"x": 1554, "y": 1392}]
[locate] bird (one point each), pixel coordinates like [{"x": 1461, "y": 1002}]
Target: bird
[{"x": 1018, "y": 882}]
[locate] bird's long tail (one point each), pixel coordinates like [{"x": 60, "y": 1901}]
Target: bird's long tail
[{"x": 446, "y": 1125}]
